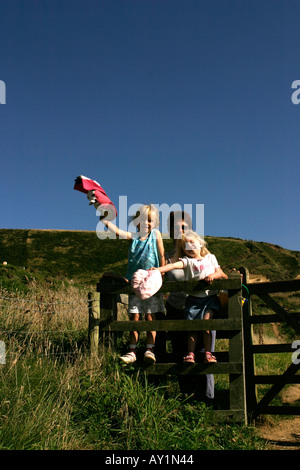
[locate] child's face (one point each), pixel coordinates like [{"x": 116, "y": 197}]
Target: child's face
[
  {"x": 147, "y": 224},
  {"x": 179, "y": 228},
  {"x": 192, "y": 247}
]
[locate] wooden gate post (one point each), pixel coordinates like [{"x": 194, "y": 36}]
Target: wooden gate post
[
  {"x": 251, "y": 388},
  {"x": 94, "y": 317},
  {"x": 108, "y": 308},
  {"x": 236, "y": 354}
]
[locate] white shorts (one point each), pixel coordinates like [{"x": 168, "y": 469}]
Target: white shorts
[{"x": 154, "y": 304}]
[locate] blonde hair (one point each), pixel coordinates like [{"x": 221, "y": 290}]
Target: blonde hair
[
  {"x": 144, "y": 212},
  {"x": 180, "y": 245}
]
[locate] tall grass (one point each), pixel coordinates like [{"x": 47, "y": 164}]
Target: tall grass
[
  {"x": 53, "y": 397},
  {"x": 50, "y": 406},
  {"x": 36, "y": 403}
]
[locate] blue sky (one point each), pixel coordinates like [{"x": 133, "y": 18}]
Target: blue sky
[{"x": 162, "y": 101}]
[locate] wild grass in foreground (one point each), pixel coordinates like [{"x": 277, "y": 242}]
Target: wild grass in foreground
[
  {"x": 48, "y": 404},
  {"x": 53, "y": 397}
]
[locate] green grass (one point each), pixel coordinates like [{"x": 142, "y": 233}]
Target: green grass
[
  {"x": 53, "y": 397},
  {"x": 35, "y": 405},
  {"x": 61, "y": 405}
]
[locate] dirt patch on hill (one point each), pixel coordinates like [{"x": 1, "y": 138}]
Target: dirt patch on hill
[
  {"x": 282, "y": 436},
  {"x": 291, "y": 395},
  {"x": 258, "y": 278}
]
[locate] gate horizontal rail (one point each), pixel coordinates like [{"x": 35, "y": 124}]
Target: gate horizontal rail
[{"x": 229, "y": 325}]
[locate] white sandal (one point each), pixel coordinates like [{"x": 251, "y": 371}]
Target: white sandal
[
  {"x": 149, "y": 357},
  {"x": 129, "y": 357}
]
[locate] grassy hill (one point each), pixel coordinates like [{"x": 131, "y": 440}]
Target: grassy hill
[
  {"x": 82, "y": 256},
  {"x": 59, "y": 401}
]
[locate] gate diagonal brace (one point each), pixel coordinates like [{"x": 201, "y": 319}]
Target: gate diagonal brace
[
  {"x": 287, "y": 317},
  {"x": 276, "y": 388}
]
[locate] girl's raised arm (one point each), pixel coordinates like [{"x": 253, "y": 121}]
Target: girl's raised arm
[{"x": 119, "y": 232}]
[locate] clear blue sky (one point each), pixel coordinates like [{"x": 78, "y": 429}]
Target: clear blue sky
[{"x": 163, "y": 101}]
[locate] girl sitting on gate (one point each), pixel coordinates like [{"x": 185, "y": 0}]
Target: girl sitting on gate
[
  {"x": 198, "y": 263},
  {"x": 146, "y": 251}
]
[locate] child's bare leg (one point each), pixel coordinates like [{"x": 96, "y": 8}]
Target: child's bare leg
[
  {"x": 133, "y": 339},
  {"x": 207, "y": 339},
  {"x": 149, "y": 356},
  {"x": 151, "y": 335},
  {"x": 134, "y": 336},
  {"x": 192, "y": 340}
]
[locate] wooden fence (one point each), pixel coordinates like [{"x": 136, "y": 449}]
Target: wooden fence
[
  {"x": 103, "y": 319},
  {"x": 258, "y": 406},
  {"x": 238, "y": 363}
]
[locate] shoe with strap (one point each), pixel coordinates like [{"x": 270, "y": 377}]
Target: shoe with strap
[
  {"x": 149, "y": 357},
  {"x": 209, "y": 357},
  {"x": 129, "y": 357},
  {"x": 190, "y": 357}
]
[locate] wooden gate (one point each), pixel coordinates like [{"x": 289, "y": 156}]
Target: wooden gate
[
  {"x": 103, "y": 321},
  {"x": 255, "y": 406},
  {"x": 237, "y": 327}
]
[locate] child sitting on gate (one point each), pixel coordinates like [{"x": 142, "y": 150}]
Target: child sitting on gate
[
  {"x": 198, "y": 263},
  {"x": 146, "y": 251}
]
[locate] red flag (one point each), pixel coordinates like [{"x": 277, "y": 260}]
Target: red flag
[{"x": 96, "y": 196}]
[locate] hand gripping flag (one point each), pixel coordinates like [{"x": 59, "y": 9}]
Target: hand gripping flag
[{"x": 97, "y": 196}]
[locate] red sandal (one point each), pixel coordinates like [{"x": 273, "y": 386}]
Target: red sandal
[
  {"x": 190, "y": 357},
  {"x": 209, "y": 357}
]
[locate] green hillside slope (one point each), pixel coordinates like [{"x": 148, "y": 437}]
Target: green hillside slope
[{"x": 83, "y": 256}]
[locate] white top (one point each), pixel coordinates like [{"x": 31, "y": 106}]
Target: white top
[{"x": 197, "y": 269}]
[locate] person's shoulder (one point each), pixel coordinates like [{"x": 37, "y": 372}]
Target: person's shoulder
[
  {"x": 186, "y": 261},
  {"x": 211, "y": 257},
  {"x": 156, "y": 233}
]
